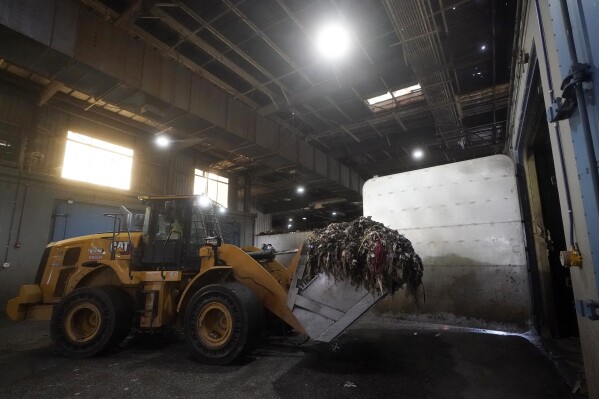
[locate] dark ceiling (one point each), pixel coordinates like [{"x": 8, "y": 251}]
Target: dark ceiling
[{"x": 262, "y": 51}]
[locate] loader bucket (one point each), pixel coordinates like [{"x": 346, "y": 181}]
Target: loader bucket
[{"x": 324, "y": 306}]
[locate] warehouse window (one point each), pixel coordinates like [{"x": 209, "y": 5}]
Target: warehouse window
[
  {"x": 212, "y": 185},
  {"x": 98, "y": 162}
]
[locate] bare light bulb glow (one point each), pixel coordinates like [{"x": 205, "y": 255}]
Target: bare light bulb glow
[
  {"x": 417, "y": 154},
  {"x": 333, "y": 41},
  {"x": 204, "y": 201},
  {"x": 163, "y": 141},
  {"x": 301, "y": 189}
]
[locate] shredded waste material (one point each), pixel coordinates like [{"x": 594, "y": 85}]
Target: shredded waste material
[{"x": 366, "y": 253}]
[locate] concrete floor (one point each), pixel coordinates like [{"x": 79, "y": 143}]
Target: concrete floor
[{"x": 370, "y": 361}]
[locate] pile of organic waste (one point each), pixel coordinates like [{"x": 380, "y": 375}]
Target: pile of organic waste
[{"x": 367, "y": 254}]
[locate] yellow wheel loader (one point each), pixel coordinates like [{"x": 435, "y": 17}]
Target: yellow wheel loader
[{"x": 176, "y": 273}]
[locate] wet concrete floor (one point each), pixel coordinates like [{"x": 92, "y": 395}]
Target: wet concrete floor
[{"x": 366, "y": 362}]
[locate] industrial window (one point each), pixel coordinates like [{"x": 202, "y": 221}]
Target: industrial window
[
  {"x": 212, "y": 185},
  {"x": 10, "y": 143},
  {"x": 95, "y": 161},
  {"x": 387, "y": 100}
]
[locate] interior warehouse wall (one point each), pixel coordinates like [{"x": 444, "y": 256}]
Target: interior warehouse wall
[
  {"x": 543, "y": 40},
  {"x": 463, "y": 219},
  {"x": 35, "y": 199},
  {"x": 33, "y": 187}
]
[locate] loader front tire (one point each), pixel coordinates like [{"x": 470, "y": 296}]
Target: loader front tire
[
  {"x": 222, "y": 322},
  {"x": 89, "y": 321}
]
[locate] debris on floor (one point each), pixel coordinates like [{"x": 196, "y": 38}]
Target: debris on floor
[{"x": 366, "y": 253}]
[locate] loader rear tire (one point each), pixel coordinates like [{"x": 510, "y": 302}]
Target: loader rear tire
[
  {"x": 223, "y": 322},
  {"x": 89, "y": 321}
]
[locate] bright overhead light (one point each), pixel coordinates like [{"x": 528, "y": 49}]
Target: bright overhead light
[
  {"x": 334, "y": 213},
  {"x": 289, "y": 226},
  {"x": 300, "y": 189},
  {"x": 163, "y": 141},
  {"x": 304, "y": 218},
  {"x": 417, "y": 153},
  {"x": 290, "y": 219},
  {"x": 204, "y": 201},
  {"x": 333, "y": 41},
  {"x": 483, "y": 47}
]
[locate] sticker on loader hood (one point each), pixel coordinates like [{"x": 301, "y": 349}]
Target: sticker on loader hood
[{"x": 96, "y": 253}]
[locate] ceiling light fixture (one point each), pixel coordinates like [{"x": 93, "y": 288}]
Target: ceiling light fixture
[
  {"x": 334, "y": 213},
  {"x": 204, "y": 201},
  {"x": 303, "y": 218},
  {"x": 163, "y": 141},
  {"x": 417, "y": 153},
  {"x": 333, "y": 41},
  {"x": 483, "y": 47},
  {"x": 300, "y": 189}
]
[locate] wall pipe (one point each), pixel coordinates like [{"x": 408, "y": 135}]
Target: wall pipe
[
  {"x": 18, "y": 239},
  {"x": 557, "y": 129},
  {"x": 12, "y": 217}
]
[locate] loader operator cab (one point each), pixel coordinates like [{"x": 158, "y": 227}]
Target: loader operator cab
[{"x": 174, "y": 229}]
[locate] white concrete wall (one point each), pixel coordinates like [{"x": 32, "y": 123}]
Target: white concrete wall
[{"x": 463, "y": 219}]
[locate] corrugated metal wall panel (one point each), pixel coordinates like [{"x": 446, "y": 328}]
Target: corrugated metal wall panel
[
  {"x": 149, "y": 178},
  {"x": 211, "y": 103},
  {"x": 44, "y": 153},
  {"x": 266, "y": 134},
  {"x": 133, "y": 62},
  {"x": 354, "y": 181},
  {"x": 151, "y": 72},
  {"x": 333, "y": 169},
  {"x": 320, "y": 162},
  {"x": 263, "y": 222},
  {"x": 90, "y": 39},
  {"x": 29, "y": 17},
  {"x": 344, "y": 175},
  {"x": 288, "y": 145},
  {"x": 182, "y": 88},
  {"x": 63, "y": 34},
  {"x": 49, "y": 140},
  {"x": 183, "y": 177},
  {"x": 306, "y": 155},
  {"x": 167, "y": 79},
  {"x": 14, "y": 106},
  {"x": 239, "y": 118}
]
